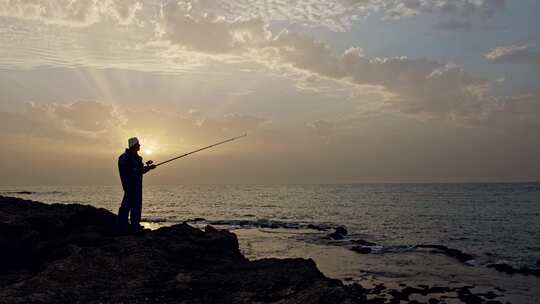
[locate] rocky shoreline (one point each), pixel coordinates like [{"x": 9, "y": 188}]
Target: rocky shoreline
[{"x": 74, "y": 254}]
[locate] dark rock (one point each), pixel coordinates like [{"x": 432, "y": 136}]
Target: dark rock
[
  {"x": 398, "y": 295},
  {"x": 470, "y": 299},
  {"x": 363, "y": 242},
  {"x": 465, "y": 295},
  {"x": 339, "y": 233},
  {"x": 196, "y": 220},
  {"x": 342, "y": 230},
  {"x": 376, "y": 301},
  {"x": 490, "y": 295},
  {"x": 503, "y": 267},
  {"x": 336, "y": 236},
  {"x": 439, "y": 289},
  {"x": 74, "y": 253},
  {"x": 433, "y": 301},
  {"x": 361, "y": 249},
  {"x": 455, "y": 253},
  {"x": 316, "y": 227},
  {"x": 377, "y": 289},
  {"x": 23, "y": 192},
  {"x": 410, "y": 290}
]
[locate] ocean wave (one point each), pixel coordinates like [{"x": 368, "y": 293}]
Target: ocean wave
[
  {"x": 268, "y": 223},
  {"x": 246, "y": 223}
]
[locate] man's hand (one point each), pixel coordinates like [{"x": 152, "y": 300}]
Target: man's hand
[{"x": 149, "y": 166}]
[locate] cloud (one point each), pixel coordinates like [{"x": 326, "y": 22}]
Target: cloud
[
  {"x": 514, "y": 54},
  {"x": 79, "y": 121},
  {"x": 422, "y": 87},
  {"x": 419, "y": 87},
  {"x": 513, "y": 112},
  {"x": 72, "y": 12},
  {"x": 91, "y": 123},
  {"x": 338, "y": 15},
  {"x": 208, "y": 33}
]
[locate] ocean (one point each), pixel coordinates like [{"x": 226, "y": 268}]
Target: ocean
[{"x": 495, "y": 223}]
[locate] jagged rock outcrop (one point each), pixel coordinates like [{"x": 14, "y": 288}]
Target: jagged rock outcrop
[{"x": 74, "y": 254}]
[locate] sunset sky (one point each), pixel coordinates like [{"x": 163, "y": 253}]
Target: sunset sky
[{"x": 329, "y": 91}]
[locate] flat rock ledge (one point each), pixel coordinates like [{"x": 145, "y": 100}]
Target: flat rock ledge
[{"x": 58, "y": 253}]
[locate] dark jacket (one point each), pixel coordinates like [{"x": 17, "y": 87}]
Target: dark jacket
[{"x": 130, "y": 166}]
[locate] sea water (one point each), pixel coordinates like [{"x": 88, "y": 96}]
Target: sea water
[{"x": 493, "y": 222}]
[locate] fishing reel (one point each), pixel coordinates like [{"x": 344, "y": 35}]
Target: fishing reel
[{"x": 150, "y": 162}]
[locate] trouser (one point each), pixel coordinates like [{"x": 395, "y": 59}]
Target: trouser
[{"x": 131, "y": 205}]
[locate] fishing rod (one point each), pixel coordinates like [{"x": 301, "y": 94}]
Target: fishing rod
[{"x": 198, "y": 150}]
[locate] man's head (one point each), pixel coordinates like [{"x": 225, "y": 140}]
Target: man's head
[{"x": 133, "y": 144}]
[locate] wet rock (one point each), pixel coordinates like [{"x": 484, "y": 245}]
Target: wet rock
[
  {"x": 24, "y": 192},
  {"x": 503, "y": 267},
  {"x": 339, "y": 233},
  {"x": 342, "y": 230},
  {"x": 398, "y": 295},
  {"x": 316, "y": 227},
  {"x": 434, "y": 301},
  {"x": 489, "y": 295},
  {"x": 376, "y": 301},
  {"x": 363, "y": 242},
  {"x": 465, "y": 295},
  {"x": 335, "y": 236},
  {"x": 361, "y": 249},
  {"x": 439, "y": 289},
  {"x": 455, "y": 253},
  {"x": 196, "y": 220},
  {"x": 410, "y": 290},
  {"x": 378, "y": 289},
  {"x": 74, "y": 253},
  {"x": 509, "y": 269}
]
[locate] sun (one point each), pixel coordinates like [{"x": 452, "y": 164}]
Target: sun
[{"x": 148, "y": 151}]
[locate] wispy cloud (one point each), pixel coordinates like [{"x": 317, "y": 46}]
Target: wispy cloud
[
  {"x": 186, "y": 34},
  {"x": 516, "y": 54},
  {"x": 72, "y": 12},
  {"x": 339, "y": 15}
]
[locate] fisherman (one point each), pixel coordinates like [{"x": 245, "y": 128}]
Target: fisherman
[{"x": 131, "y": 169}]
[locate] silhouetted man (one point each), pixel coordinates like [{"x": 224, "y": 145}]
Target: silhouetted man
[{"x": 131, "y": 169}]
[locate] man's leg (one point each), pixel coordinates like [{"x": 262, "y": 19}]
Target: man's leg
[
  {"x": 124, "y": 210},
  {"x": 136, "y": 208}
]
